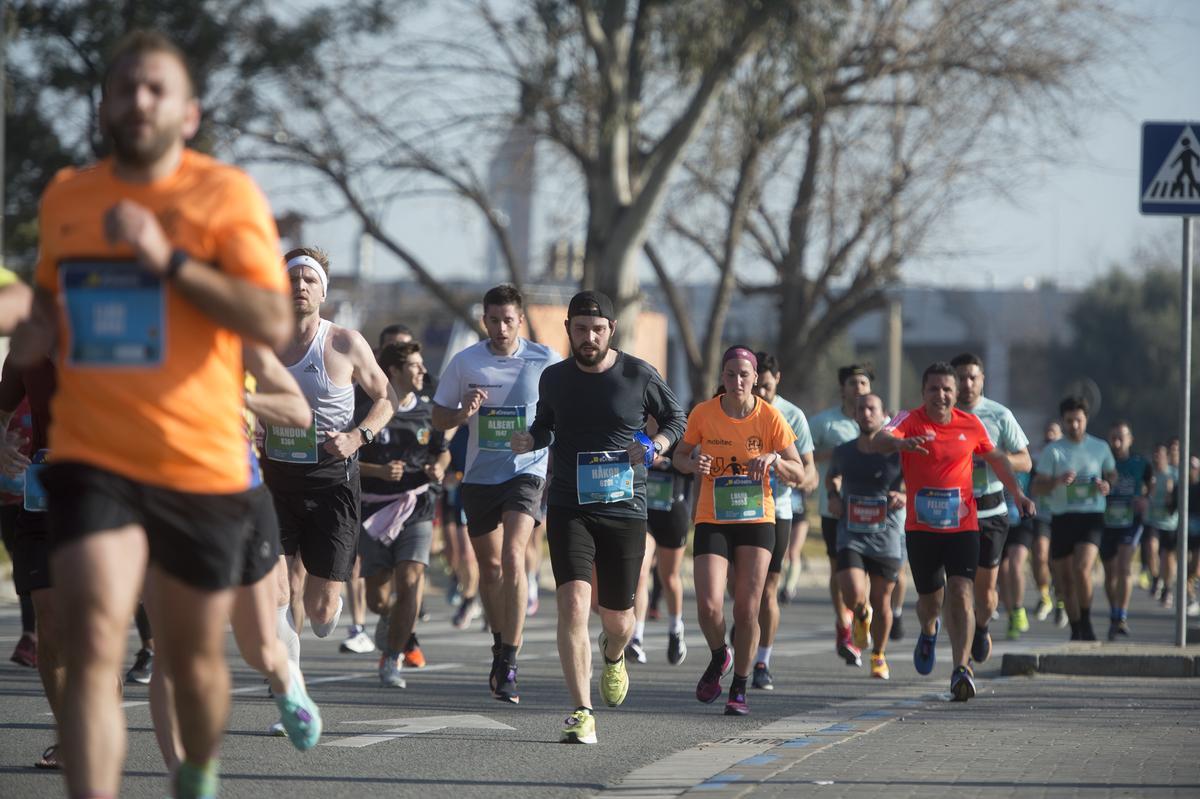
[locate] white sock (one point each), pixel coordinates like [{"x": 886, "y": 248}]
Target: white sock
[
  {"x": 323, "y": 630},
  {"x": 764, "y": 655},
  {"x": 897, "y": 612},
  {"x": 639, "y": 630},
  {"x": 533, "y": 585},
  {"x": 675, "y": 625},
  {"x": 285, "y": 630}
]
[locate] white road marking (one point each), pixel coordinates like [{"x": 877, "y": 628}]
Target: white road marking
[{"x": 407, "y": 727}]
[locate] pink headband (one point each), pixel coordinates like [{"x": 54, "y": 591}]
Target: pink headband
[{"x": 742, "y": 354}]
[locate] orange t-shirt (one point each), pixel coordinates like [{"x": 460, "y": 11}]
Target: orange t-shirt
[
  {"x": 149, "y": 387},
  {"x": 727, "y": 496}
]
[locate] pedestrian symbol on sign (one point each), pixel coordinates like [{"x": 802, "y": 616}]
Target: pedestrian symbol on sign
[{"x": 1175, "y": 180}]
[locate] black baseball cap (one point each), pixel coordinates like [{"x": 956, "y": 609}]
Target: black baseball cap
[{"x": 591, "y": 303}]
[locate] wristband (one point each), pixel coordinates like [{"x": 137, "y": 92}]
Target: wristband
[
  {"x": 175, "y": 264},
  {"x": 647, "y": 444}
]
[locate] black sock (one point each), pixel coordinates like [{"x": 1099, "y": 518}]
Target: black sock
[
  {"x": 1076, "y": 629},
  {"x": 718, "y": 655},
  {"x": 738, "y": 685},
  {"x": 143, "y": 623},
  {"x": 28, "y": 619},
  {"x": 508, "y": 653},
  {"x": 496, "y": 644},
  {"x": 981, "y": 631},
  {"x": 1085, "y": 616}
]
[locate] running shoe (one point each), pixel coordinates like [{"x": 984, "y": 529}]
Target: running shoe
[
  {"x": 762, "y": 677},
  {"x": 1144, "y": 580},
  {"x": 861, "y": 628},
  {"x": 389, "y": 672},
  {"x": 414, "y": 658},
  {"x": 614, "y": 682},
  {"x": 142, "y": 668},
  {"x": 897, "y": 631},
  {"x": 357, "y": 642},
  {"x": 981, "y": 646},
  {"x": 635, "y": 651},
  {"x": 532, "y": 605},
  {"x": 278, "y": 730},
  {"x": 1014, "y": 629},
  {"x": 1165, "y": 597},
  {"x": 25, "y": 653},
  {"x": 1044, "y": 608},
  {"x": 1060, "y": 615},
  {"x": 196, "y": 782},
  {"x": 847, "y": 651},
  {"x": 453, "y": 593},
  {"x": 1193, "y": 607},
  {"x": 1118, "y": 628},
  {"x": 299, "y": 715},
  {"x": 1022, "y": 619},
  {"x": 468, "y": 611},
  {"x": 1156, "y": 586},
  {"x": 962, "y": 684},
  {"x": 494, "y": 674},
  {"x": 506, "y": 686},
  {"x": 709, "y": 687},
  {"x": 925, "y": 653},
  {"x": 736, "y": 706},
  {"x": 381, "y": 632},
  {"x": 1086, "y": 633},
  {"x": 579, "y": 728},
  {"x": 879, "y": 667},
  {"x": 676, "y": 648},
  {"x": 423, "y": 613}
]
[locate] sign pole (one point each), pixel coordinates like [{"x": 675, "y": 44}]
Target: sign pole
[{"x": 1185, "y": 464}]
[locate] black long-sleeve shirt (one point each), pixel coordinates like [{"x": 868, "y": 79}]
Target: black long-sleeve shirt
[{"x": 580, "y": 411}]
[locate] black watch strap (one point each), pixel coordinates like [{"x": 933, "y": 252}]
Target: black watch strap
[{"x": 176, "y": 263}]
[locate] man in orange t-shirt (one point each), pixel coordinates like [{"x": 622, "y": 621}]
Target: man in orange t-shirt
[
  {"x": 155, "y": 263},
  {"x": 936, "y": 443}
]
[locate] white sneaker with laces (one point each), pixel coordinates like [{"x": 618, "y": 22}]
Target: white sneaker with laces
[{"x": 360, "y": 643}]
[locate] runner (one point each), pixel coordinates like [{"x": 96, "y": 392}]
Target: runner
[
  {"x": 271, "y": 394},
  {"x": 669, "y": 520},
  {"x": 866, "y": 493},
  {"x": 768, "y": 617},
  {"x": 591, "y": 411},
  {"x": 1040, "y": 551},
  {"x": 402, "y": 472},
  {"x": 992, "y": 511},
  {"x": 1123, "y": 514},
  {"x": 794, "y": 561},
  {"x": 740, "y": 438},
  {"x": 938, "y": 444},
  {"x": 15, "y": 436},
  {"x": 1077, "y": 470},
  {"x": 165, "y": 478},
  {"x": 1162, "y": 523},
  {"x": 313, "y": 473},
  {"x": 831, "y": 428},
  {"x": 492, "y": 387},
  {"x": 1020, "y": 540}
]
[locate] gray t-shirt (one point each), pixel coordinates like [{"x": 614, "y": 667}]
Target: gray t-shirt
[{"x": 867, "y": 525}]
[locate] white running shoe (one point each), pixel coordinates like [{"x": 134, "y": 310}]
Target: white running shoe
[
  {"x": 358, "y": 643},
  {"x": 389, "y": 673}
]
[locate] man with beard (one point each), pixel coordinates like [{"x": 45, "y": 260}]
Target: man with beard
[
  {"x": 313, "y": 473},
  {"x": 591, "y": 411},
  {"x": 154, "y": 264}
]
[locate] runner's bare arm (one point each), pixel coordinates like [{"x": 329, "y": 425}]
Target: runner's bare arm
[
  {"x": 446, "y": 419},
  {"x": 811, "y": 477},
  {"x": 1020, "y": 460},
  {"x": 15, "y": 302},
  {"x": 34, "y": 337},
  {"x": 1000, "y": 465},
  {"x": 277, "y": 397},
  {"x": 885, "y": 443},
  {"x": 789, "y": 466}
]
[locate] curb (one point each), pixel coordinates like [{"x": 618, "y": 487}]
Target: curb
[{"x": 1096, "y": 663}]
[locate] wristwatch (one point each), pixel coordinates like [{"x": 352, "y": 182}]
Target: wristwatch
[
  {"x": 658, "y": 447},
  {"x": 367, "y": 435}
]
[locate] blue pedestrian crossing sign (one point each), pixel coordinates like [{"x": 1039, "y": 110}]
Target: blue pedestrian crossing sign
[{"x": 1170, "y": 168}]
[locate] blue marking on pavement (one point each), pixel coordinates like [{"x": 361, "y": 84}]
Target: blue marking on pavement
[
  {"x": 876, "y": 714},
  {"x": 718, "y": 782},
  {"x": 759, "y": 760},
  {"x": 796, "y": 743},
  {"x": 839, "y": 728}
]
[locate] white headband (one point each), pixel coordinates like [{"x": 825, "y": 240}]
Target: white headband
[{"x": 311, "y": 263}]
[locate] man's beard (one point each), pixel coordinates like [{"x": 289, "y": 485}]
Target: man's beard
[
  {"x": 129, "y": 150},
  {"x": 586, "y": 360}
]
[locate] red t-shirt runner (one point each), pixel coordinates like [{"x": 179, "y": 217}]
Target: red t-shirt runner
[{"x": 940, "y": 496}]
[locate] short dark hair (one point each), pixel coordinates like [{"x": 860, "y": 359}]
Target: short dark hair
[
  {"x": 1073, "y": 403},
  {"x": 967, "y": 359},
  {"x": 316, "y": 253},
  {"x": 937, "y": 368},
  {"x": 1121, "y": 423},
  {"x": 869, "y": 395},
  {"x": 143, "y": 42},
  {"x": 396, "y": 353},
  {"x": 396, "y": 329},
  {"x": 846, "y": 372},
  {"x": 504, "y": 294},
  {"x": 767, "y": 363}
]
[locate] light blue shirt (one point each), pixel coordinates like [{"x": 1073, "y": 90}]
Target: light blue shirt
[
  {"x": 830, "y": 428},
  {"x": 1008, "y": 437},
  {"x": 1090, "y": 459},
  {"x": 799, "y": 424},
  {"x": 511, "y": 383}
]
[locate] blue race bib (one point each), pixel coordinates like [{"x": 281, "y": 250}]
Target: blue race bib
[
  {"x": 116, "y": 314},
  {"x": 603, "y": 477},
  {"x": 938, "y": 507}
]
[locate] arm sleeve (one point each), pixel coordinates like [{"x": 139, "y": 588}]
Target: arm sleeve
[
  {"x": 898, "y": 426},
  {"x": 660, "y": 403},
  {"x": 542, "y": 428},
  {"x": 449, "y": 390}
]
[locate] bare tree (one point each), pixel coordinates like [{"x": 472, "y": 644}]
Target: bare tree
[{"x": 857, "y": 136}]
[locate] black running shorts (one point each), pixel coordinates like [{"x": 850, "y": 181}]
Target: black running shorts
[
  {"x": 262, "y": 545},
  {"x": 322, "y": 526},
  {"x": 829, "y": 528},
  {"x": 722, "y": 539},
  {"x": 887, "y": 568},
  {"x": 1069, "y": 530},
  {"x": 935, "y": 556},
  {"x": 783, "y": 537},
  {"x": 670, "y": 527},
  {"x": 485, "y": 505},
  {"x": 614, "y": 545},
  {"x": 30, "y": 552},
  {"x": 993, "y": 530}
]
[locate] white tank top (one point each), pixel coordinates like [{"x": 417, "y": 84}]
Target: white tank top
[{"x": 332, "y": 405}]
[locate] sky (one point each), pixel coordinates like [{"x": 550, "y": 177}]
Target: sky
[{"x": 1067, "y": 222}]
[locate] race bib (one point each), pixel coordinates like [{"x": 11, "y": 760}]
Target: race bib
[
  {"x": 979, "y": 479},
  {"x": 660, "y": 490},
  {"x": 737, "y": 498},
  {"x": 603, "y": 477},
  {"x": 1082, "y": 493},
  {"x": 291, "y": 444},
  {"x": 35, "y": 493},
  {"x": 495, "y": 426},
  {"x": 938, "y": 507},
  {"x": 1118, "y": 513},
  {"x": 866, "y": 514},
  {"x": 116, "y": 313}
]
